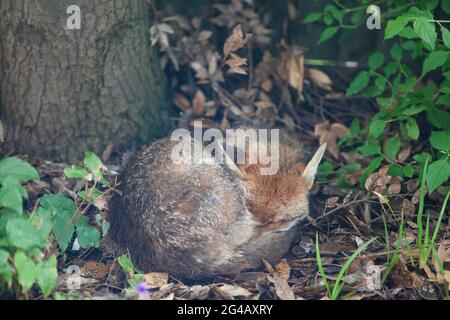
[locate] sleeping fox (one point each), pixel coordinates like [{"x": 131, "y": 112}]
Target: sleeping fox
[{"x": 199, "y": 220}]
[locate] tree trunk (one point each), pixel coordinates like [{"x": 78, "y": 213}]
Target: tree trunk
[{"x": 66, "y": 91}]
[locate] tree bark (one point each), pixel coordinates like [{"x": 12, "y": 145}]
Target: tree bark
[{"x": 66, "y": 91}]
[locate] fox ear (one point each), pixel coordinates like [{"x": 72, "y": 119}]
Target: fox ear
[{"x": 311, "y": 168}]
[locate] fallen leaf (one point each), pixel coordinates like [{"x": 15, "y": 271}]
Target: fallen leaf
[
  {"x": 329, "y": 134},
  {"x": 234, "y": 291},
  {"x": 235, "y": 41},
  {"x": 279, "y": 277},
  {"x": 198, "y": 104},
  {"x": 295, "y": 69},
  {"x": 395, "y": 188},
  {"x": 155, "y": 279},
  {"x": 404, "y": 154},
  {"x": 95, "y": 269},
  {"x": 339, "y": 129},
  {"x": 319, "y": 78},
  {"x": 181, "y": 101},
  {"x": 235, "y": 63}
]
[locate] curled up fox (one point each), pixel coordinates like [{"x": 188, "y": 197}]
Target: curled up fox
[{"x": 198, "y": 217}]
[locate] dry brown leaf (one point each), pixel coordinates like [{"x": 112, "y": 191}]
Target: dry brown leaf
[
  {"x": 204, "y": 35},
  {"x": 200, "y": 71},
  {"x": 319, "y": 78},
  {"x": 326, "y": 135},
  {"x": 440, "y": 251},
  {"x": 235, "y": 41},
  {"x": 198, "y": 104},
  {"x": 295, "y": 69},
  {"x": 395, "y": 188},
  {"x": 266, "y": 85},
  {"x": 234, "y": 291},
  {"x": 332, "y": 202},
  {"x": 383, "y": 170},
  {"x": 404, "y": 154},
  {"x": 95, "y": 269},
  {"x": 181, "y": 101},
  {"x": 235, "y": 63},
  {"x": 279, "y": 277},
  {"x": 107, "y": 152},
  {"x": 339, "y": 129},
  {"x": 370, "y": 181},
  {"x": 447, "y": 278},
  {"x": 205, "y": 123},
  {"x": 408, "y": 207},
  {"x": 155, "y": 279},
  {"x": 416, "y": 197}
]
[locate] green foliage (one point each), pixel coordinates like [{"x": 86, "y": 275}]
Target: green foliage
[
  {"x": 411, "y": 107},
  {"x": 24, "y": 236},
  {"x": 335, "y": 290}
]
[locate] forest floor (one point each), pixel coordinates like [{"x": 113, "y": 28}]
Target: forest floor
[{"x": 213, "y": 83}]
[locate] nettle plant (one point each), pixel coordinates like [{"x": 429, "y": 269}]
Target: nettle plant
[
  {"x": 26, "y": 255},
  {"x": 414, "y": 107}
]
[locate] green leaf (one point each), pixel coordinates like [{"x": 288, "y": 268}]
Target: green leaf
[
  {"x": 408, "y": 171},
  {"x": 444, "y": 100},
  {"x": 329, "y": 8},
  {"x": 392, "y": 147},
  {"x": 357, "y": 16},
  {"x": 412, "y": 129},
  {"x": 57, "y": 203},
  {"x": 445, "y": 5},
  {"x": 17, "y": 169},
  {"x": 312, "y": 17},
  {"x": 432, "y": 4},
  {"x": 426, "y": 31},
  {"x": 440, "y": 140},
  {"x": 445, "y": 36},
  {"x": 76, "y": 172},
  {"x": 47, "y": 275},
  {"x": 376, "y": 127},
  {"x": 438, "y": 118},
  {"x": 413, "y": 110},
  {"x": 5, "y": 269},
  {"x": 63, "y": 230},
  {"x": 408, "y": 33},
  {"x": 87, "y": 235},
  {"x": 435, "y": 60},
  {"x": 4, "y": 255},
  {"x": 376, "y": 60},
  {"x": 396, "y": 51},
  {"x": 23, "y": 235},
  {"x": 395, "y": 26},
  {"x": 42, "y": 220},
  {"x": 360, "y": 82},
  {"x": 63, "y": 210},
  {"x": 395, "y": 171},
  {"x": 11, "y": 196},
  {"x": 126, "y": 264},
  {"x": 327, "y": 34},
  {"x": 92, "y": 161},
  {"x": 438, "y": 173},
  {"x": 370, "y": 149},
  {"x": 26, "y": 270}
]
